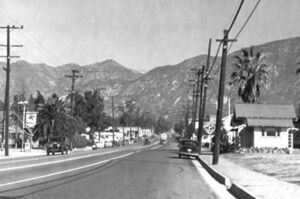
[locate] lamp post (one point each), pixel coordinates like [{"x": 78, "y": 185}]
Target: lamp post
[{"x": 24, "y": 109}]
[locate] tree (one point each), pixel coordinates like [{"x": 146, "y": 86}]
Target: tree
[
  {"x": 95, "y": 116},
  {"x": 162, "y": 125},
  {"x": 53, "y": 119},
  {"x": 90, "y": 108},
  {"x": 31, "y": 103},
  {"x": 250, "y": 75},
  {"x": 17, "y": 109},
  {"x": 179, "y": 127},
  {"x": 39, "y": 100}
]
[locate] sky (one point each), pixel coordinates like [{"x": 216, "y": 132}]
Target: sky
[{"x": 139, "y": 34}]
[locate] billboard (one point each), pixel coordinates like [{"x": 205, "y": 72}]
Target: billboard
[{"x": 30, "y": 120}]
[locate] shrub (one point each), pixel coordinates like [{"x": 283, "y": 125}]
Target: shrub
[{"x": 79, "y": 141}]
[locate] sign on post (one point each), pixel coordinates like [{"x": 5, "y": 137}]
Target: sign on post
[{"x": 31, "y": 119}]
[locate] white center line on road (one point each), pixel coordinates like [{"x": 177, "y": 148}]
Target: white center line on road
[
  {"x": 156, "y": 147},
  {"x": 218, "y": 188},
  {"x": 55, "y": 162},
  {"x": 65, "y": 171}
]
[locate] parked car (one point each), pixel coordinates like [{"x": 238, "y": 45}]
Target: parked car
[
  {"x": 188, "y": 148},
  {"x": 147, "y": 141},
  {"x": 99, "y": 144},
  {"x": 163, "y": 138},
  {"x": 108, "y": 144},
  {"x": 57, "y": 144}
]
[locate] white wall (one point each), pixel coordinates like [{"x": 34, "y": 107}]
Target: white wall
[{"x": 280, "y": 141}]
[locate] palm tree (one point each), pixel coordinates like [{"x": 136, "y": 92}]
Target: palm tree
[
  {"x": 53, "y": 119},
  {"x": 251, "y": 73}
]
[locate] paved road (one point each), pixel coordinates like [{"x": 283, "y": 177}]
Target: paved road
[{"x": 132, "y": 173}]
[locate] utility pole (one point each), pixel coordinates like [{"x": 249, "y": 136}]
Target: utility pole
[
  {"x": 201, "y": 118},
  {"x": 187, "y": 108},
  {"x": 113, "y": 118},
  {"x": 216, "y": 152},
  {"x": 195, "y": 98},
  {"x": 7, "y": 69},
  {"x": 200, "y": 103},
  {"x": 73, "y": 77},
  {"x": 137, "y": 120}
]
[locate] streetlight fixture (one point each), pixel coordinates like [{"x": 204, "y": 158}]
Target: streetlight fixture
[{"x": 23, "y": 133}]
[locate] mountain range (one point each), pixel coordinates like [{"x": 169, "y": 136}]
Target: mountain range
[{"x": 164, "y": 89}]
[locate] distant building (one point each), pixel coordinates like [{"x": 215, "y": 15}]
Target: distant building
[
  {"x": 265, "y": 125},
  {"x": 15, "y": 132}
]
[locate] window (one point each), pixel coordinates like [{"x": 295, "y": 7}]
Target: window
[{"x": 271, "y": 132}]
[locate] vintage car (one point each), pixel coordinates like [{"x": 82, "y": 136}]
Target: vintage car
[
  {"x": 188, "y": 148},
  {"x": 100, "y": 144},
  {"x": 57, "y": 144}
]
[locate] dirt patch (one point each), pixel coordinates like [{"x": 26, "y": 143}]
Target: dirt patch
[{"x": 281, "y": 166}]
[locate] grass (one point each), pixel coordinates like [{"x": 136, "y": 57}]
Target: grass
[{"x": 281, "y": 166}]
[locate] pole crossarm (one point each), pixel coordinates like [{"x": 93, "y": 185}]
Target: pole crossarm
[{"x": 73, "y": 77}]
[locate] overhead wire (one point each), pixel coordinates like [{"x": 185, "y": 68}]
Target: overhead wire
[
  {"x": 33, "y": 41},
  {"x": 245, "y": 23},
  {"x": 220, "y": 44}
]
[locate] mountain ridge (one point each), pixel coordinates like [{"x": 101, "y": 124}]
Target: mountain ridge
[{"x": 161, "y": 89}]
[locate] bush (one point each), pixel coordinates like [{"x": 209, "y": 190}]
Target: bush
[
  {"x": 263, "y": 150},
  {"x": 79, "y": 141}
]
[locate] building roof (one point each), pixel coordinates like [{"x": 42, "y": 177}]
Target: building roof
[
  {"x": 265, "y": 115},
  {"x": 270, "y": 122},
  {"x": 264, "y": 111}
]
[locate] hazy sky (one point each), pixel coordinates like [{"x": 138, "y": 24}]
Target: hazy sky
[{"x": 139, "y": 34}]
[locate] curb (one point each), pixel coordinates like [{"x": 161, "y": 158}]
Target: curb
[{"x": 233, "y": 188}]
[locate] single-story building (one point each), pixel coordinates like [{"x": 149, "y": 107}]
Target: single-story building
[{"x": 265, "y": 125}]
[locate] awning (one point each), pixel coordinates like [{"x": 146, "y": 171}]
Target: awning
[{"x": 270, "y": 122}]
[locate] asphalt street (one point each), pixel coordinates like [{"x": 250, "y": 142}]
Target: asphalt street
[{"x": 132, "y": 172}]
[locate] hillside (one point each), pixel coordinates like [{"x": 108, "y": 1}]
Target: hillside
[{"x": 163, "y": 89}]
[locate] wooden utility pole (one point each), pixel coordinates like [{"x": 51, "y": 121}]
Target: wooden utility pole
[
  {"x": 201, "y": 118},
  {"x": 187, "y": 115},
  {"x": 7, "y": 69},
  {"x": 73, "y": 77},
  {"x": 113, "y": 118},
  {"x": 199, "y": 137},
  {"x": 196, "y": 98},
  {"x": 216, "y": 152}
]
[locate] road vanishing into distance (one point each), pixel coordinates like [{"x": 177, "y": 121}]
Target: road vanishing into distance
[{"x": 133, "y": 172}]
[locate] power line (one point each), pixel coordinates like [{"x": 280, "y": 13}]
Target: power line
[
  {"x": 245, "y": 23},
  {"x": 236, "y": 14},
  {"x": 220, "y": 44},
  {"x": 212, "y": 66},
  {"x": 233, "y": 14},
  {"x": 48, "y": 55}
]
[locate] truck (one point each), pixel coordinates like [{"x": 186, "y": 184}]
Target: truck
[{"x": 163, "y": 138}]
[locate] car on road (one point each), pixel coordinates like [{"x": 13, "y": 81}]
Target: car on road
[
  {"x": 99, "y": 144},
  {"x": 147, "y": 141},
  {"x": 188, "y": 148},
  {"x": 57, "y": 144}
]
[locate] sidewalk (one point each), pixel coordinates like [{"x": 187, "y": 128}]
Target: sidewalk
[
  {"x": 242, "y": 180},
  {"x": 17, "y": 153}
]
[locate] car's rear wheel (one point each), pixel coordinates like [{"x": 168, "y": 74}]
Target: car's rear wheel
[
  {"x": 179, "y": 155},
  {"x": 62, "y": 152},
  {"x": 52, "y": 153},
  {"x": 48, "y": 152}
]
